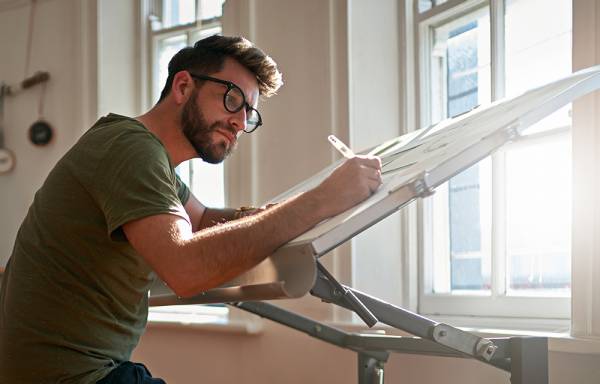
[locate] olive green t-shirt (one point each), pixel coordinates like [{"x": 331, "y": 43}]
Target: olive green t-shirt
[{"x": 74, "y": 298}]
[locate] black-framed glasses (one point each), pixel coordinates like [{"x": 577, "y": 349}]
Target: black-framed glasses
[{"x": 234, "y": 100}]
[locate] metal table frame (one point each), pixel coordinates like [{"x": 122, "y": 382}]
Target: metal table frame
[{"x": 525, "y": 358}]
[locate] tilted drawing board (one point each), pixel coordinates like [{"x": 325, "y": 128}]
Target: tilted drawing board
[{"x": 413, "y": 166}]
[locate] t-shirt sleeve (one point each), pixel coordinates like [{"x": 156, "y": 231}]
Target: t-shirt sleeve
[
  {"x": 135, "y": 180},
  {"x": 183, "y": 192}
]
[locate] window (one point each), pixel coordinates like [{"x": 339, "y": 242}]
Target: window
[
  {"x": 496, "y": 238},
  {"x": 175, "y": 24},
  {"x": 425, "y": 5}
]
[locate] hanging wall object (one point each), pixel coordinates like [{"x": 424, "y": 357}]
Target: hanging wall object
[
  {"x": 40, "y": 133},
  {"x": 7, "y": 157},
  {"x": 7, "y": 160}
]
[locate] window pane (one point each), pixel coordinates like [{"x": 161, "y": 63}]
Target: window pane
[
  {"x": 470, "y": 266},
  {"x": 538, "y": 223},
  {"x": 200, "y": 34},
  {"x": 538, "y": 50},
  {"x": 461, "y": 76},
  {"x": 208, "y": 183},
  {"x": 209, "y": 9},
  {"x": 460, "y": 66},
  {"x": 461, "y": 250},
  {"x": 424, "y": 5},
  {"x": 462, "y": 69},
  {"x": 178, "y": 12},
  {"x": 166, "y": 49}
]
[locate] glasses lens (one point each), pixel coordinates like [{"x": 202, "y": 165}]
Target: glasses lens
[
  {"x": 252, "y": 120},
  {"x": 234, "y": 99}
]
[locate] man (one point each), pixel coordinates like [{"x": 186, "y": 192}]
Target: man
[{"x": 112, "y": 215}]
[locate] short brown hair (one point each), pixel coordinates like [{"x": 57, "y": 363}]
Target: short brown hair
[{"x": 208, "y": 56}]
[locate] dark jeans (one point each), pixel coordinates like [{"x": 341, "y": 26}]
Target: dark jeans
[{"x": 130, "y": 373}]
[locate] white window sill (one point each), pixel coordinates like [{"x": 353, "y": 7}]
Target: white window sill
[
  {"x": 242, "y": 327},
  {"x": 203, "y": 318}
]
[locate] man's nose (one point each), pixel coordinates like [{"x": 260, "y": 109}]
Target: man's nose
[{"x": 238, "y": 121}]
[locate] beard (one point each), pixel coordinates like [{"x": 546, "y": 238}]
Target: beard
[{"x": 199, "y": 133}]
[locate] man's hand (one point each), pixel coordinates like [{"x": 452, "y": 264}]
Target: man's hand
[
  {"x": 250, "y": 211},
  {"x": 349, "y": 184}
]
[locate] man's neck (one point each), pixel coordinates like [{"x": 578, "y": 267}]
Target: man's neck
[{"x": 166, "y": 125}]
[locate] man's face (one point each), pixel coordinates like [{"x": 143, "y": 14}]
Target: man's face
[
  {"x": 200, "y": 133},
  {"x": 207, "y": 125}
]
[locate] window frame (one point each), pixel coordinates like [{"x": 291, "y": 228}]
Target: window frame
[{"x": 496, "y": 304}]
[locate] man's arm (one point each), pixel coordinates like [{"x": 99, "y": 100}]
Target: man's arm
[{"x": 191, "y": 263}]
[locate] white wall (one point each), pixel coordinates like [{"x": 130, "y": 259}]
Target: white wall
[
  {"x": 119, "y": 63},
  {"x": 310, "y": 41}
]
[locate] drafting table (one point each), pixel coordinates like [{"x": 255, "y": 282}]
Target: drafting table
[{"x": 413, "y": 166}]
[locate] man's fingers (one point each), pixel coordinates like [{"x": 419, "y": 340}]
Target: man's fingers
[
  {"x": 370, "y": 172},
  {"x": 373, "y": 179},
  {"x": 370, "y": 161},
  {"x": 374, "y": 185},
  {"x": 374, "y": 175}
]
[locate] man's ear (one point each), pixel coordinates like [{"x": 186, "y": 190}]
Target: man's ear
[{"x": 182, "y": 87}]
